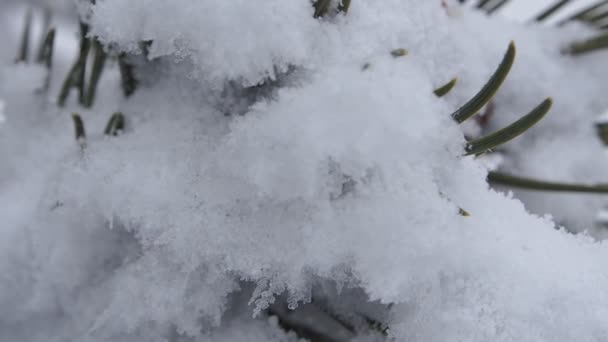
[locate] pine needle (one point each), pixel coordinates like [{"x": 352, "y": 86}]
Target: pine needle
[
  {"x": 551, "y": 10},
  {"x": 45, "y": 51},
  {"x": 399, "y": 53},
  {"x": 76, "y": 75},
  {"x": 510, "y": 132},
  {"x": 489, "y": 89},
  {"x": 496, "y": 7},
  {"x": 128, "y": 81},
  {"x": 344, "y": 6},
  {"x": 24, "y": 46},
  {"x": 79, "y": 129},
  {"x": 463, "y": 212},
  {"x": 483, "y": 3},
  {"x": 596, "y": 43},
  {"x": 115, "y": 125},
  {"x": 585, "y": 13},
  {"x": 445, "y": 89},
  {"x": 99, "y": 61},
  {"x": 321, "y": 8},
  {"x": 534, "y": 184},
  {"x": 602, "y": 132},
  {"x": 45, "y": 57}
]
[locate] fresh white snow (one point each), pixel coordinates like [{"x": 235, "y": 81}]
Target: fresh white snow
[{"x": 341, "y": 183}]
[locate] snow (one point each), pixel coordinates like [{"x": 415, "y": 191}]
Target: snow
[{"x": 337, "y": 184}]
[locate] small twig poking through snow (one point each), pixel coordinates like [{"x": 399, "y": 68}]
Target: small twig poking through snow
[
  {"x": 446, "y": 88},
  {"x": 510, "y": 132},
  {"x": 25, "y": 38},
  {"x": 489, "y": 89}
]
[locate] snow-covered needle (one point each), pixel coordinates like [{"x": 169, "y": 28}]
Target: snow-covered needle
[
  {"x": 446, "y": 88},
  {"x": 489, "y": 89},
  {"x": 515, "y": 129}
]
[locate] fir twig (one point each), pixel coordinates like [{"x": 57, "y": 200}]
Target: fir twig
[
  {"x": 534, "y": 184},
  {"x": 24, "y": 46},
  {"x": 446, "y": 88},
  {"x": 502, "y": 136},
  {"x": 99, "y": 61},
  {"x": 489, "y": 89}
]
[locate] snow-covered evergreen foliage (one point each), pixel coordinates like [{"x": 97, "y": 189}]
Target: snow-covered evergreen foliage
[{"x": 285, "y": 171}]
